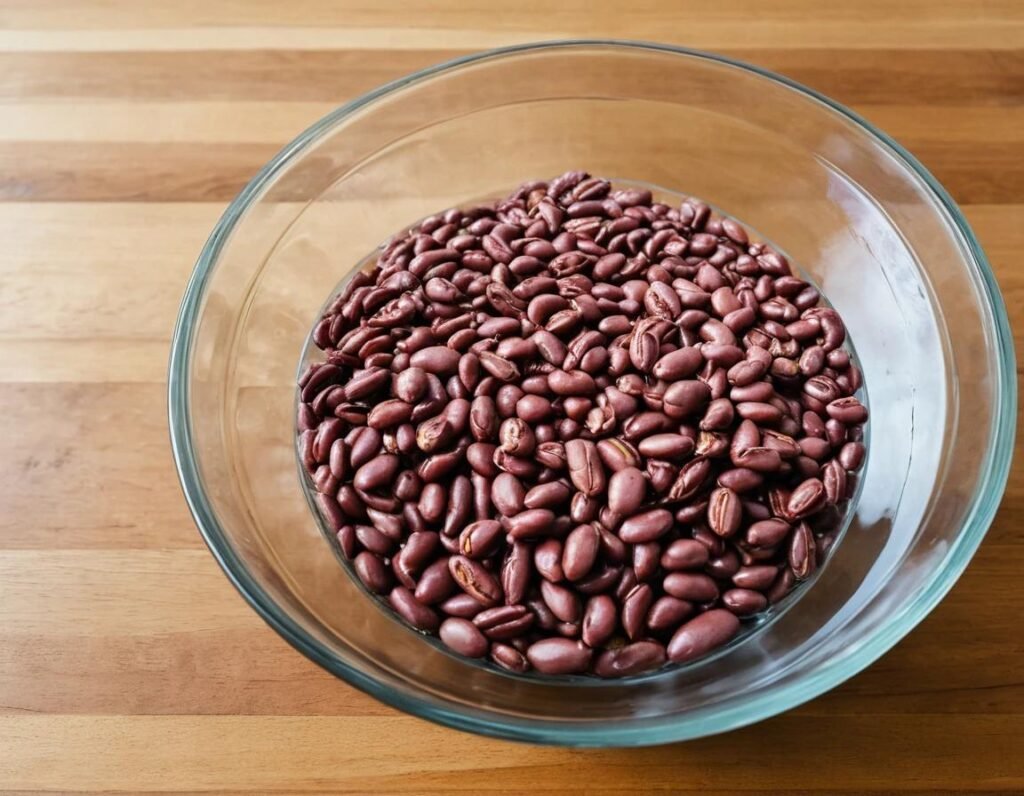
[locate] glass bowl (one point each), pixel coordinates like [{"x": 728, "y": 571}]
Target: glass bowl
[{"x": 855, "y": 211}]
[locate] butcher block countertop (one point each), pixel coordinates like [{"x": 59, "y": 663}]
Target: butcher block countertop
[{"x": 128, "y": 663}]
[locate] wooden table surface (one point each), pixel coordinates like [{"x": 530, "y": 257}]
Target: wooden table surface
[{"x": 127, "y": 661}]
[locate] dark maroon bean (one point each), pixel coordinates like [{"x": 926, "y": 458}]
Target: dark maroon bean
[
  {"x": 479, "y": 539},
  {"x": 767, "y": 533},
  {"x": 585, "y": 468},
  {"x": 847, "y": 410},
  {"x": 509, "y": 658},
  {"x": 646, "y": 560},
  {"x": 504, "y": 623},
  {"x": 626, "y": 490},
  {"x": 551, "y": 454},
  {"x": 347, "y": 541},
  {"x": 835, "y": 432},
  {"x": 646, "y": 527},
  {"x": 744, "y": 602},
  {"x": 690, "y": 586},
  {"x": 667, "y": 613},
  {"x": 439, "y": 360},
  {"x": 724, "y": 512},
  {"x": 516, "y": 437},
  {"x": 580, "y": 552},
  {"x": 756, "y": 577},
  {"x": 634, "y": 610},
  {"x": 548, "y": 496},
  {"x": 415, "y": 553},
  {"x": 583, "y": 508},
  {"x": 372, "y": 572},
  {"x": 666, "y": 446},
  {"x": 515, "y": 572},
  {"x": 531, "y": 523},
  {"x": 412, "y": 611},
  {"x": 641, "y": 656},
  {"x": 810, "y": 496},
  {"x": 685, "y": 398},
  {"x": 802, "y": 559},
  {"x": 559, "y": 656},
  {"x": 833, "y": 476},
  {"x": 463, "y": 637},
  {"x": 646, "y": 423},
  {"x": 475, "y": 580},
  {"x": 741, "y": 479},
  {"x": 851, "y": 455},
  {"x": 599, "y": 620},
  {"x": 533, "y": 408},
  {"x": 376, "y": 473},
  {"x": 702, "y": 635},
  {"x": 684, "y": 554},
  {"x": 517, "y": 466},
  {"x": 562, "y": 600},
  {"x": 547, "y": 560},
  {"x": 435, "y": 584},
  {"x": 432, "y": 502},
  {"x": 783, "y": 585},
  {"x": 480, "y": 456},
  {"x": 508, "y": 494},
  {"x": 617, "y": 454},
  {"x": 692, "y": 476}
]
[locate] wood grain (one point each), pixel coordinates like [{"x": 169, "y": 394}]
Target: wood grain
[{"x": 127, "y": 661}]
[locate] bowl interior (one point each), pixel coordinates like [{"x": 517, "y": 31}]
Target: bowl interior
[{"x": 888, "y": 251}]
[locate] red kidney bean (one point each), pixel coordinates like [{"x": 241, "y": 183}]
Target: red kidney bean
[
  {"x": 641, "y": 656},
  {"x": 806, "y": 499},
  {"x": 634, "y": 610},
  {"x": 515, "y": 572},
  {"x": 757, "y": 577},
  {"x": 580, "y": 552},
  {"x": 509, "y": 658},
  {"x": 617, "y": 454},
  {"x": 702, "y": 634},
  {"x": 412, "y": 611},
  {"x": 475, "y": 580},
  {"x": 530, "y": 523},
  {"x": 505, "y": 622},
  {"x": 480, "y": 539},
  {"x": 563, "y": 601},
  {"x": 666, "y": 446},
  {"x": 683, "y": 554},
  {"x": 461, "y": 605},
  {"x": 547, "y": 559},
  {"x": 802, "y": 561},
  {"x": 724, "y": 512},
  {"x": 435, "y": 584},
  {"x": 599, "y": 620},
  {"x": 372, "y": 572},
  {"x": 646, "y": 527},
  {"x": 508, "y": 495},
  {"x": 667, "y": 613},
  {"x": 851, "y": 455},
  {"x": 585, "y": 468},
  {"x": 744, "y": 602},
  {"x": 559, "y": 656},
  {"x": 463, "y": 637},
  {"x": 626, "y": 491},
  {"x": 690, "y": 586}
]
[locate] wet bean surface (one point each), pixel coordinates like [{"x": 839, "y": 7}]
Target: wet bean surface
[{"x": 580, "y": 431}]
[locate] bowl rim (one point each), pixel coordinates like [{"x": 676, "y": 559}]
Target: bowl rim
[{"x": 702, "y": 722}]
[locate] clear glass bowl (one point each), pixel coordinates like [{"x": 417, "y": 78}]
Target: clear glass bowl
[{"x": 859, "y": 214}]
